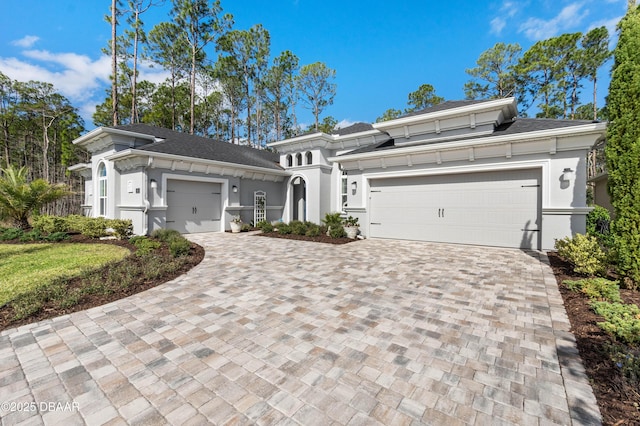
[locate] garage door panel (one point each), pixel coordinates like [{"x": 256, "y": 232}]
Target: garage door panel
[
  {"x": 193, "y": 206},
  {"x": 488, "y": 208}
]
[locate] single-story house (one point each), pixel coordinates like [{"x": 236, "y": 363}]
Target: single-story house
[{"x": 468, "y": 172}]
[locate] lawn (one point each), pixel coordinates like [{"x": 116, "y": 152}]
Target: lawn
[{"x": 24, "y": 267}]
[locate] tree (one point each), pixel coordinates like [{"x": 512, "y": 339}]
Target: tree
[
  {"x": 622, "y": 150},
  {"x": 113, "y": 20},
  {"x": 278, "y": 88},
  {"x": 200, "y": 24},
  {"x": 595, "y": 45},
  {"x": 422, "y": 98},
  {"x": 327, "y": 125},
  {"x": 316, "y": 87},
  {"x": 227, "y": 72},
  {"x": 19, "y": 199},
  {"x": 389, "y": 114},
  {"x": 494, "y": 77}
]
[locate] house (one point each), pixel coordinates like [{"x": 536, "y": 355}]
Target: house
[{"x": 468, "y": 172}]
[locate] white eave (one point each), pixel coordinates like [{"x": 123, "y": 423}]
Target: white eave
[
  {"x": 101, "y": 132},
  {"x": 586, "y": 129},
  {"x": 79, "y": 167}
]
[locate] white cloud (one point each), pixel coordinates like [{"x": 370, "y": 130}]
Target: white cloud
[
  {"x": 569, "y": 17},
  {"x": 26, "y": 41},
  {"x": 497, "y": 25},
  {"x": 345, "y": 123}
]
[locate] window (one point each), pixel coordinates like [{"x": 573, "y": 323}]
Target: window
[
  {"x": 309, "y": 157},
  {"x": 343, "y": 190},
  {"x": 298, "y": 159},
  {"x": 102, "y": 191},
  {"x": 289, "y": 160}
]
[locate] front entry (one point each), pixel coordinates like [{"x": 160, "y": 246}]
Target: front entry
[{"x": 299, "y": 199}]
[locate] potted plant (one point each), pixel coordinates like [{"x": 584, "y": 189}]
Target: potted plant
[
  {"x": 236, "y": 224},
  {"x": 351, "y": 227}
]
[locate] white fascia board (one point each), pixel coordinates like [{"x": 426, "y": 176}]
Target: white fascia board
[
  {"x": 592, "y": 128},
  {"x": 79, "y": 166},
  {"x": 451, "y": 112},
  {"x": 130, "y": 153},
  {"x": 303, "y": 138},
  {"x": 103, "y": 131}
]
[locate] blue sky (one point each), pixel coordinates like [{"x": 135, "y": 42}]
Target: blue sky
[{"x": 381, "y": 50}]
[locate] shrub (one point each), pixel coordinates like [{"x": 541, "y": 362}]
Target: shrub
[
  {"x": 265, "y": 226},
  {"x": 56, "y": 237},
  {"x": 144, "y": 245},
  {"x": 297, "y": 227},
  {"x": 165, "y": 235},
  {"x": 75, "y": 222},
  {"x": 47, "y": 224},
  {"x": 313, "y": 230},
  {"x": 626, "y": 361},
  {"x": 351, "y": 221},
  {"x": 598, "y": 222},
  {"x": 122, "y": 228},
  {"x": 332, "y": 219},
  {"x": 284, "y": 229},
  {"x": 621, "y": 321},
  {"x": 33, "y": 235},
  {"x": 337, "y": 231},
  {"x": 245, "y": 227},
  {"x": 596, "y": 289},
  {"x": 94, "y": 227},
  {"x": 11, "y": 234},
  {"x": 584, "y": 253},
  {"x": 179, "y": 247}
]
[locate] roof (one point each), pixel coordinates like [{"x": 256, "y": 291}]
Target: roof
[
  {"x": 444, "y": 105},
  {"x": 517, "y": 126},
  {"x": 183, "y": 144},
  {"x": 354, "y": 128}
]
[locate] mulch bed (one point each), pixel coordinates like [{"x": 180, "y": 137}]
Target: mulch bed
[
  {"x": 618, "y": 399},
  {"x": 318, "y": 239},
  {"x": 50, "y": 310}
]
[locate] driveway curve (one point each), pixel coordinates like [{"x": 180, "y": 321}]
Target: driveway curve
[{"x": 270, "y": 331}]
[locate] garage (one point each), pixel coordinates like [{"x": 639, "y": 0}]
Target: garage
[
  {"x": 193, "y": 206},
  {"x": 499, "y": 208}
]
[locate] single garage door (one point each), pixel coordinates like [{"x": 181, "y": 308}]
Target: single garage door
[
  {"x": 193, "y": 206},
  {"x": 489, "y": 208}
]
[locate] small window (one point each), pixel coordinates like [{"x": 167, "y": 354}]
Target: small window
[
  {"x": 298, "y": 159},
  {"x": 343, "y": 190},
  {"x": 289, "y": 160},
  {"x": 309, "y": 157},
  {"x": 102, "y": 190}
]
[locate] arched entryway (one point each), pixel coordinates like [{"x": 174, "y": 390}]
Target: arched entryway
[{"x": 298, "y": 199}]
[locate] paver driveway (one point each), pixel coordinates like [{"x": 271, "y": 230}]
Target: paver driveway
[{"x": 269, "y": 331}]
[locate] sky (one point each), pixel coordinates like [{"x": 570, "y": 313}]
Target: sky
[{"x": 381, "y": 50}]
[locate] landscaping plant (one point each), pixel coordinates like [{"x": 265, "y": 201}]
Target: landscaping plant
[{"x": 584, "y": 254}]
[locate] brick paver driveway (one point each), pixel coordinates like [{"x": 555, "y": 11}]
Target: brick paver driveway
[{"x": 269, "y": 331}]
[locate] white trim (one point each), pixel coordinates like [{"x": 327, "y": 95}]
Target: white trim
[{"x": 224, "y": 192}]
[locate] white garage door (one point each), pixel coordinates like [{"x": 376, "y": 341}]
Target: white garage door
[
  {"x": 193, "y": 206},
  {"x": 489, "y": 208}
]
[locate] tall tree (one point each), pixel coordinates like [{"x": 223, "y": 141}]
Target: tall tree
[
  {"x": 278, "y": 88},
  {"x": 251, "y": 50},
  {"x": 389, "y": 114},
  {"x": 422, "y": 98},
  {"x": 494, "y": 77},
  {"x": 200, "y": 23},
  {"x": 622, "y": 150},
  {"x": 317, "y": 88},
  {"x": 595, "y": 45},
  {"x": 113, "y": 20},
  {"x": 167, "y": 48},
  {"x": 227, "y": 70}
]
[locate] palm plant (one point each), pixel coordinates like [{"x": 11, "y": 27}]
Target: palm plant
[{"x": 20, "y": 199}]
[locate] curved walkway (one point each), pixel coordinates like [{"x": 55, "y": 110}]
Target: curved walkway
[{"x": 270, "y": 331}]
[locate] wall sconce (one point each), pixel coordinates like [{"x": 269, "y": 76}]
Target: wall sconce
[
  {"x": 234, "y": 188},
  {"x": 354, "y": 187},
  {"x": 153, "y": 184},
  {"x": 567, "y": 173}
]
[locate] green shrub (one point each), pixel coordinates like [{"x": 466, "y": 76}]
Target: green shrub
[
  {"x": 144, "y": 245},
  {"x": 75, "y": 223},
  {"x": 57, "y": 237},
  {"x": 165, "y": 235},
  {"x": 11, "y": 234},
  {"x": 584, "y": 253},
  {"x": 33, "y": 235},
  {"x": 284, "y": 229},
  {"x": 621, "y": 321},
  {"x": 179, "y": 247},
  {"x": 265, "y": 226},
  {"x": 596, "y": 289},
  {"x": 351, "y": 221},
  {"x": 313, "y": 230},
  {"x": 94, "y": 227},
  {"x": 337, "y": 231},
  {"x": 332, "y": 219},
  {"x": 47, "y": 224},
  {"x": 626, "y": 361},
  {"x": 122, "y": 228},
  {"x": 245, "y": 227},
  {"x": 297, "y": 227},
  {"x": 598, "y": 222}
]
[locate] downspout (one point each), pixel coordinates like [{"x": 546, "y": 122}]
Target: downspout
[{"x": 145, "y": 197}]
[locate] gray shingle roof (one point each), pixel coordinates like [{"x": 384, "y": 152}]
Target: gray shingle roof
[
  {"x": 445, "y": 105},
  {"x": 354, "y": 128},
  {"x": 517, "y": 126},
  {"x": 183, "y": 144}
]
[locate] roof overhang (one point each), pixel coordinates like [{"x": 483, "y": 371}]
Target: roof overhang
[{"x": 103, "y": 137}]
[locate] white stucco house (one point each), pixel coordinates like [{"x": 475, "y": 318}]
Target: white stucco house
[{"x": 467, "y": 172}]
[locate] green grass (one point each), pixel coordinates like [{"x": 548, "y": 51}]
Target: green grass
[{"x": 23, "y": 267}]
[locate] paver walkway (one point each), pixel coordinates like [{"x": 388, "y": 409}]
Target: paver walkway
[{"x": 269, "y": 331}]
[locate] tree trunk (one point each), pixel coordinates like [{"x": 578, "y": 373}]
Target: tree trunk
[
  {"x": 134, "y": 111},
  {"x": 114, "y": 63},
  {"x": 595, "y": 98},
  {"x": 192, "y": 106}
]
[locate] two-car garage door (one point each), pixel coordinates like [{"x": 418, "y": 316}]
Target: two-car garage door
[
  {"x": 193, "y": 206},
  {"x": 487, "y": 208}
]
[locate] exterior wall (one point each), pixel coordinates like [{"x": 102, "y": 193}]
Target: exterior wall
[
  {"x": 130, "y": 204},
  {"x": 601, "y": 194}
]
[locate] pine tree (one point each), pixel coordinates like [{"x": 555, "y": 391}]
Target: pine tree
[{"x": 623, "y": 145}]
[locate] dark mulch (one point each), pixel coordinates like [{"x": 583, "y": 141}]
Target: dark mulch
[
  {"x": 318, "y": 239},
  {"x": 618, "y": 399},
  {"x": 50, "y": 310}
]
